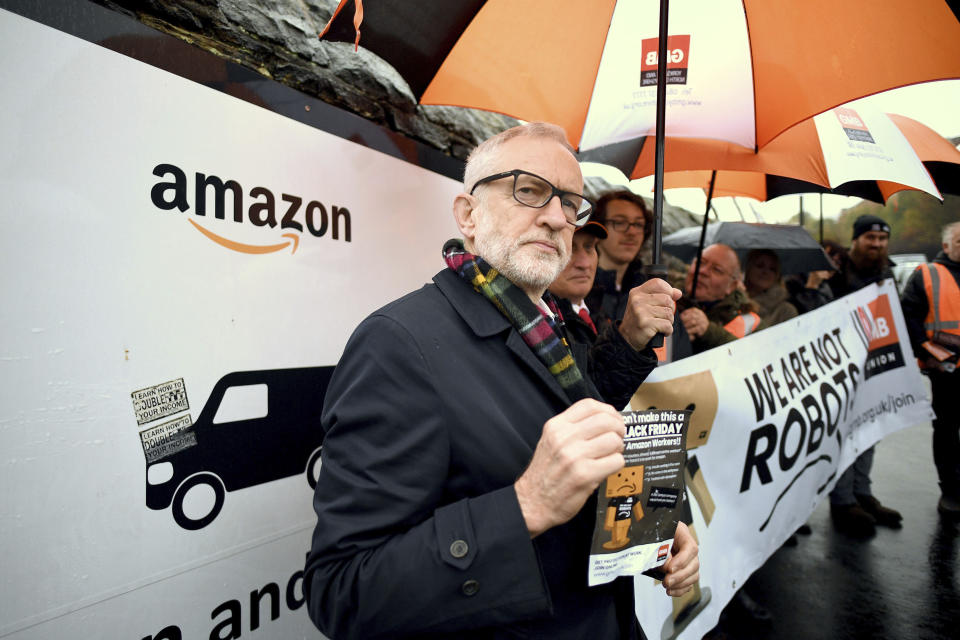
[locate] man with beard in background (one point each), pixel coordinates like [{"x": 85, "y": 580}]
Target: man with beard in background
[
  {"x": 868, "y": 261},
  {"x": 853, "y": 508}
]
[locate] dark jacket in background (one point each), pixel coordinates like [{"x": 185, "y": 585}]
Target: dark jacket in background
[
  {"x": 804, "y": 298},
  {"x": 615, "y": 368},
  {"x": 774, "y": 306},
  {"x": 607, "y": 305},
  {"x": 850, "y": 278}
]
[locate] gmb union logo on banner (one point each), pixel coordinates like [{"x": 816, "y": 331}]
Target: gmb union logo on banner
[
  {"x": 875, "y": 327},
  {"x": 853, "y": 125},
  {"x": 678, "y": 53},
  {"x": 281, "y": 221}
]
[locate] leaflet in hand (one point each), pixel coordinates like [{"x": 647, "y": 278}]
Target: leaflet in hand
[{"x": 638, "y": 507}]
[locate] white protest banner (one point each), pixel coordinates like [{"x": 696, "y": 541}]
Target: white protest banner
[
  {"x": 777, "y": 416},
  {"x": 180, "y": 270}
]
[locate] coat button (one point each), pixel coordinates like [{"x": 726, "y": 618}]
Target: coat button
[
  {"x": 459, "y": 548},
  {"x": 470, "y": 587}
]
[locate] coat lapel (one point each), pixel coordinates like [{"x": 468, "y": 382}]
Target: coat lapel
[
  {"x": 520, "y": 349},
  {"x": 486, "y": 321}
]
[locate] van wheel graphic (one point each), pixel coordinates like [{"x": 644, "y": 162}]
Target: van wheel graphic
[
  {"x": 313, "y": 467},
  {"x": 193, "y": 482}
]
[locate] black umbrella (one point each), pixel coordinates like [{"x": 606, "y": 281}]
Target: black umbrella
[{"x": 797, "y": 250}]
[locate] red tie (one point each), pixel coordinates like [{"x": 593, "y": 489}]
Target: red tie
[{"x": 585, "y": 316}]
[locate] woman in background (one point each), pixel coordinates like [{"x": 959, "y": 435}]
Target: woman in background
[
  {"x": 765, "y": 287},
  {"x": 809, "y": 291}
]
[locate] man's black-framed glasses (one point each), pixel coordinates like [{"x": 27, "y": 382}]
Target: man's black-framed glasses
[
  {"x": 620, "y": 225},
  {"x": 715, "y": 269},
  {"x": 533, "y": 191}
]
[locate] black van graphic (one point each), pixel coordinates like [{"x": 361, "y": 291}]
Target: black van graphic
[{"x": 241, "y": 453}]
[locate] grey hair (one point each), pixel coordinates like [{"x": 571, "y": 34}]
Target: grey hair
[
  {"x": 482, "y": 160},
  {"x": 948, "y": 232}
]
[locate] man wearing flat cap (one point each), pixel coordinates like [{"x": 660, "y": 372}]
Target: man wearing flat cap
[
  {"x": 853, "y": 508},
  {"x": 615, "y": 365},
  {"x": 575, "y": 281}
]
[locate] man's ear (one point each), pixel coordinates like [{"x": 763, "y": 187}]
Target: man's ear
[{"x": 464, "y": 213}]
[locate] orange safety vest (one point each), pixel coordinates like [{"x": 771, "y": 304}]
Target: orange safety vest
[
  {"x": 943, "y": 302},
  {"x": 665, "y": 351},
  {"x": 743, "y": 325}
]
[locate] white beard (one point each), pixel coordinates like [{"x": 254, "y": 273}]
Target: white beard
[{"x": 523, "y": 264}]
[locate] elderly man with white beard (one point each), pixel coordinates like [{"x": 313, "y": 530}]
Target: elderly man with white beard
[{"x": 463, "y": 441}]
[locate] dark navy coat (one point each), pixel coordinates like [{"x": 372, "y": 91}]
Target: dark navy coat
[{"x": 431, "y": 415}]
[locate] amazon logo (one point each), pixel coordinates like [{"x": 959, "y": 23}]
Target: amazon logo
[{"x": 263, "y": 210}]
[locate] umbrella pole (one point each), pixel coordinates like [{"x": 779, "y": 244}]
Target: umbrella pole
[
  {"x": 821, "y": 219},
  {"x": 703, "y": 232},
  {"x": 657, "y": 269},
  {"x": 660, "y": 133}
]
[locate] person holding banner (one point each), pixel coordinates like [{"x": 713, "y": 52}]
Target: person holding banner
[
  {"x": 628, "y": 222},
  {"x": 931, "y": 307},
  {"x": 616, "y": 367},
  {"x": 620, "y": 270},
  {"x": 809, "y": 291},
  {"x": 765, "y": 287},
  {"x": 853, "y": 508},
  {"x": 866, "y": 261},
  {"x": 463, "y": 444},
  {"x": 720, "y": 311}
]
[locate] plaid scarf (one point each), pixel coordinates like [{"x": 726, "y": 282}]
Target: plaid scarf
[{"x": 538, "y": 330}]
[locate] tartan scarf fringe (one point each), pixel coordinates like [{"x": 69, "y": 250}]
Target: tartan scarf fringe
[{"x": 538, "y": 330}]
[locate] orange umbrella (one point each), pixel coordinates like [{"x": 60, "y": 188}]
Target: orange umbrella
[
  {"x": 797, "y": 162},
  {"x": 575, "y": 63},
  {"x": 939, "y": 155},
  {"x": 738, "y": 70}
]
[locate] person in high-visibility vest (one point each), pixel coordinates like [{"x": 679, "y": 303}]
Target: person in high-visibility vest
[
  {"x": 931, "y": 307},
  {"x": 723, "y": 311}
]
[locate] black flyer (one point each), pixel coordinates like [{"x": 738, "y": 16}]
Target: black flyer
[{"x": 638, "y": 507}]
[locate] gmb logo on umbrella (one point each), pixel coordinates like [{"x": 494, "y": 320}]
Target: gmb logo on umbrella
[
  {"x": 853, "y": 125},
  {"x": 678, "y": 56}
]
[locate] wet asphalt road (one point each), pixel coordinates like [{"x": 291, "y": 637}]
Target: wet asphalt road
[{"x": 898, "y": 584}]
